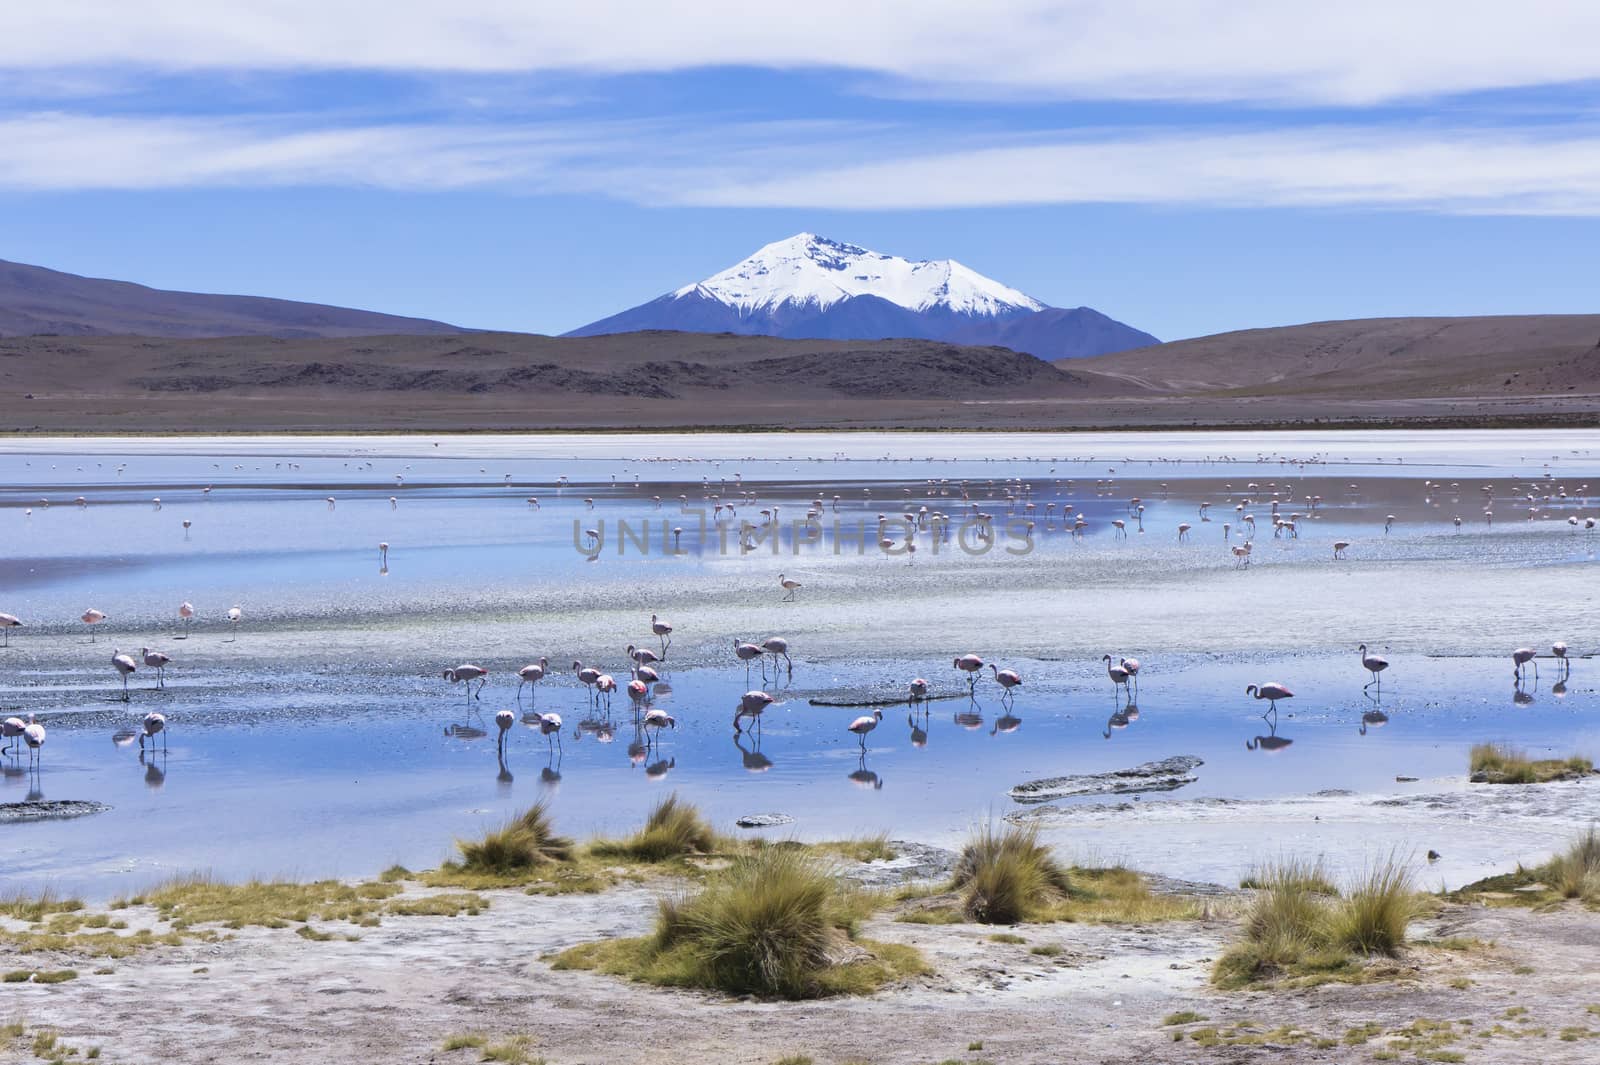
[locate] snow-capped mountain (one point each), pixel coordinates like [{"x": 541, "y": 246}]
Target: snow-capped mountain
[{"x": 812, "y": 287}]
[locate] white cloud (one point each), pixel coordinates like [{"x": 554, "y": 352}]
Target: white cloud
[
  {"x": 825, "y": 165},
  {"x": 1349, "y": 51}
]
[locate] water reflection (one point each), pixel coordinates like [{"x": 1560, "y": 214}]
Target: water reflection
[
  {"x": 919, "y": 729},
  {"x": 1006, "y": 723},
  {"x": 155, "y": 768},
  {"x": 1271, "y": 743},
  {"x": 751, "y": 757},
  {"x": 862, "y": 777}
]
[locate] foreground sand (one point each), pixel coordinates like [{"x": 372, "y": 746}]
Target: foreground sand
[{"x": 396, "y": 993}]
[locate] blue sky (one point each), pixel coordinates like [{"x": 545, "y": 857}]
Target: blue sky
[{"x": 1188, "y": 167}]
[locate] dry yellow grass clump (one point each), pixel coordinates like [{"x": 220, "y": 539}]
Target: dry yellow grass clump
[
  {"x": 775, "y": 922},
  {"x": 1294, "y": 929},
  {"x": 1498, "y": 763}
]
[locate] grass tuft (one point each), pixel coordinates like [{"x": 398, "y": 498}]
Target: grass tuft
[
  {"x": 674, "y": 829},
  {"x": 36, "y": 907},
  {"x": 1007, "y": 876},
  {"x": 1499, "y": 763},
  {"x": 1293, "y": 931},
  {"x": 524, "y": 843},
  {"x": 774, "y": 923}
]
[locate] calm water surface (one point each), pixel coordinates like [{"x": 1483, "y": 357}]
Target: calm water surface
[{"x": 319, "y": 738}]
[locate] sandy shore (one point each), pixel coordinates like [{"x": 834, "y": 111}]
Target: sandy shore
[{"x": 399, "y": 990}]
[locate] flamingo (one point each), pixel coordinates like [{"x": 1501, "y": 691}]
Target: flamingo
[
  {"x": 656, "y": 720},
  {"x": 91, "y": 618},
  {"x": 919, "y": 690},
  {"x": 550, "y": 725},
  {"x": 154, "y": 724},
  {"x": 865, "y": 724},
  {"x": 186, "y": 616},
  {"x": 664, "y": 631},
  {"x": 747, "y": 653},
  {"x": 751, "y": 705},
  {"x": 9, "y": 622},
  {"x": 11, "y": 728},
  {"x": 788, "y": 586},
  {"x": 1375, "y": 664},
  {"x": 383, "y": 554},
  {"x": 605, "y": 684},
  {"x": 503, "y": 720},
  {"x": 1339, "y": 548},
  {"x": 1271, "y": 692},
  {"x": 1560, "y": 651},
  {"x": 234, "y": 614},
  {"x": 466, "y": 674},
  {"x": 158, "y": 662},
  {"x": 639, "y": 692},
  {"x": 1183, "y": 531},
  {"x": 1521, "y": 657},
  {"x": 33, "y": 736},
  {"x": 646, "y": 675},
  {"x": 775, "y": 646},
  {"x": 971, "y": 665},
  {"x": 642, "y": 656},
  {"x": 1120, "y": 526},
  {"x": 587, "y": 676},
  {"x": 532, "y": 674},
  {"x": 1006, "y": 678},
  {"x": 124, "y": 665},
  {"x": 1241, "y": 554},
  {"x": 1130, "y": 666},
  {"x": 1118, "y": 675}
]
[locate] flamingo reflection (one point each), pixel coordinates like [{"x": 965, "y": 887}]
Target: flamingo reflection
[
  {"x": 1271, "y": 743},
  {"x": 864, "y": 778},
  {"x": 754, "y": 761}
]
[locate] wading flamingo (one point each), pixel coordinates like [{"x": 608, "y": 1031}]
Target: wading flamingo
[
  {"x": 1521, "y": 657},
  {"x": 158, "y": 662},
  {"x": 1006, "y": 678},
  {"x": 1375, "y": 665},
  {"x": 788, "y": 586},
  {"x": 751, "y": 705},
  {"x": 775, "y": 646},
  {"x": 971, "y": 665},
  {"x": 155, "y": 724},
  {"x": 7, "y": 623},
  {"x": 1271, "y": 692},
  {"x": 91, "y": 618},
  {"x": 532, "y": 674},
  {"x": 863, "y": 725},
  {"x": 466, "y": 674},
  {"x": 124, "y": 665}
]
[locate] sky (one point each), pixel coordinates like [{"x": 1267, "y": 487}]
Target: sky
[{"x": 1186, "y": 166}]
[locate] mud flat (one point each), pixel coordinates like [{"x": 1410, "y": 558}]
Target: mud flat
[{"x": 1113, "y": 993}]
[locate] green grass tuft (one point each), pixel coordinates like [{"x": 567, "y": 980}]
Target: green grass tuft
[
  {"x": 674, "y": 829},
  {"x": 1296, "y": 932},
  {"x": 524, "y": 843},
  {"x": 1499, "y": 763},
  {"x": 774, "y": 923},
  {"x": 1007, "y": 876}
]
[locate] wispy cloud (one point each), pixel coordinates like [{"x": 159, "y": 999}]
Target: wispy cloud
[
  {"x": 1271, "y": 51},
  {"x": 832, "y": 165}
]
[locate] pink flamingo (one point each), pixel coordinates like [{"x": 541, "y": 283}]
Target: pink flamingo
[
  {"x": 971, "y": 665},
  {"x": 466, "y": 674},
  {"x": 863, "y": 725}
]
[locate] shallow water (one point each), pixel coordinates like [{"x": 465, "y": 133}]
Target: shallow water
[{"x": 319, "y": 738}]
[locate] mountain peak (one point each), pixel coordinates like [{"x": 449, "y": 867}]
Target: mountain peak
[
  {"x": 811, "y": 271},
  {"x": 810, "y": 286}
]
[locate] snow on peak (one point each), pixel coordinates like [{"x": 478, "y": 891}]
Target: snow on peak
[{"x": 809, "y": 270}]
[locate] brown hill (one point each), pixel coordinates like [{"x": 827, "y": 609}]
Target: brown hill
[
  {"x": 34, "y": 300},
  {"x": 1415, "y": 358},
  {"x": 512, "y": 381}
]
